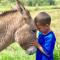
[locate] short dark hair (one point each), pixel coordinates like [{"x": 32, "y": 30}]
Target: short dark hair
[{"x": 43, "y": 18}]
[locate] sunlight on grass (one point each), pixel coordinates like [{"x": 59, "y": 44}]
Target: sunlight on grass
[{"x": 15, "y": 52}]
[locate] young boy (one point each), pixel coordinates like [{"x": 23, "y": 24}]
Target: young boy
[{"x": 46, "y": 40}]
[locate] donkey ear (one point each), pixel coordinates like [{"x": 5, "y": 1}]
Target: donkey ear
[{"x": 20, "y": 6}]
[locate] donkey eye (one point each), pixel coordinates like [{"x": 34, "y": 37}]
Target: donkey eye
[{"x": 34, "y": 31}]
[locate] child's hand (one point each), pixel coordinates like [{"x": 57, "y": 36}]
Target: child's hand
[{"x": 34, "y": 43}]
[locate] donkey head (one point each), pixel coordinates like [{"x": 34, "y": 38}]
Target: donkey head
[{"x": 24, "y": 35}]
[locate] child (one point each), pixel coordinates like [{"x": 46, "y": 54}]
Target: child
[{"x": 46, "y": 40}]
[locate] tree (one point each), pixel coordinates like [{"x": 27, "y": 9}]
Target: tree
[{"x": 51, "y": 2}]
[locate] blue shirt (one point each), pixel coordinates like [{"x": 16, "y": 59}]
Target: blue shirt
[{"x": 47, "y": 42}]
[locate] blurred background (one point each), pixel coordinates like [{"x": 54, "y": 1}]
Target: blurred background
[{"x": 52, "y": 7}]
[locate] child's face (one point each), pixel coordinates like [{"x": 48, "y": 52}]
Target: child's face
[{"x": 43, "y": 28}]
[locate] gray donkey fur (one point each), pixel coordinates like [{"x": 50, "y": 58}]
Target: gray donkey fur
[{"x": 16, "y": 25}]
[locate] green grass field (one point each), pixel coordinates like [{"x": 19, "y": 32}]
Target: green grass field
[{"x": 15, "y": 52}]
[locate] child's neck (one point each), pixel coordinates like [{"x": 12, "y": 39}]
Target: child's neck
[{"x": 46, "y": 32}]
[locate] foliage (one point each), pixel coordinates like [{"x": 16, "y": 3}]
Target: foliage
[{"x": 33, "y": 2}]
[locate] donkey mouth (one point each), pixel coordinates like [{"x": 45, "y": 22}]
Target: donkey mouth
[{"x": 31, "y": 50}]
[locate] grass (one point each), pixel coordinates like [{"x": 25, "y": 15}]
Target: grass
[{"x": 15, "y": 52}]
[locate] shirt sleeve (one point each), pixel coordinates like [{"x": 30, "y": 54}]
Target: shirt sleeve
[
  {"x": 49, "y": 45},
  {"x": 38, "y": 33}
]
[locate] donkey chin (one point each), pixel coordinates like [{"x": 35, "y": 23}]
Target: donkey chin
[{"x": 31, "y": 50}]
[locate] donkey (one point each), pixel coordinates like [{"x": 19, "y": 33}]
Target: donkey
[{"x": 17, "y": 26}]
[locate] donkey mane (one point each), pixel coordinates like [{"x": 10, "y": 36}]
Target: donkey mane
[{"x": 7, "y": 12}]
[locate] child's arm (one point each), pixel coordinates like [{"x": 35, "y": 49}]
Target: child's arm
[{"x": 39, "y": 47}]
